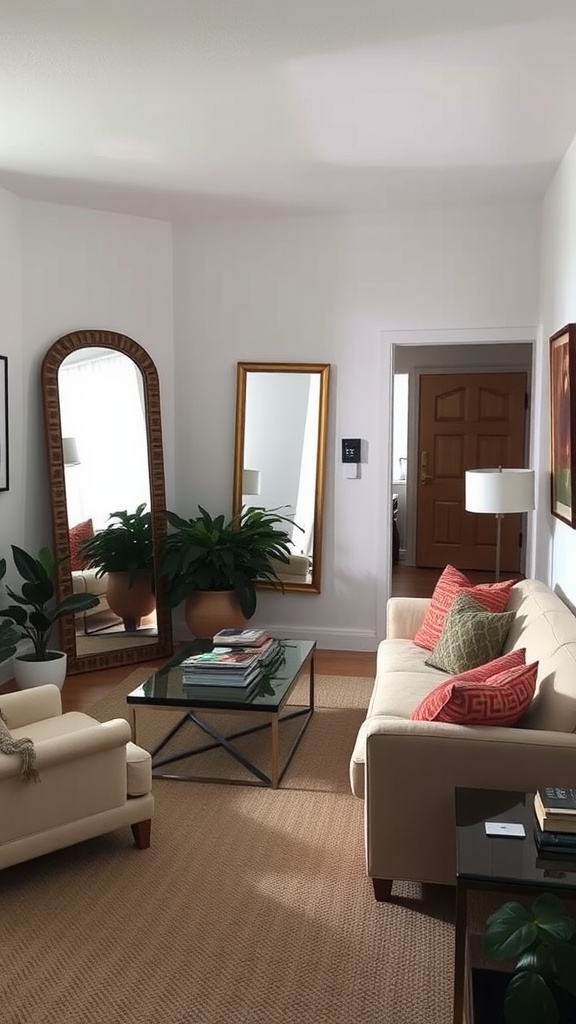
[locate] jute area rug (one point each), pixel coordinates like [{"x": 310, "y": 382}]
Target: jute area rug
[{"x": 251, "y": 906}]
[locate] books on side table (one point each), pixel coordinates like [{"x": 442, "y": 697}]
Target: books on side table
[{"x": 555, "y": 825}]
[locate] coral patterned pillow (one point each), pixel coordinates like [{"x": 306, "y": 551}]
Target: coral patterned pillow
[
  {"x": 493, "y": 597},
  {"x": 432, "y": 706},
  {"x": 80, "y": 532},
  {"x": 502, "y": 700}
]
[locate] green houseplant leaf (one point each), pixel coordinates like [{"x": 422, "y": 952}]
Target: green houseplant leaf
[
  {"x": 542, "y": 941},
  {"x": 35, "y": 610},
  {"x": 125, "y": 545},
  {"x": 212, "y": 553}
]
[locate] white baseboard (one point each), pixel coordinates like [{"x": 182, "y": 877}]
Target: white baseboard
[{"x": 326, "y": 639}]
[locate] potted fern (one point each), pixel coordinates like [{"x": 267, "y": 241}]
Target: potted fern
[
  {"x": 32, "y": 617},
  {"x": 123, "y": 551},
  {"x": 212, "y": 564}
]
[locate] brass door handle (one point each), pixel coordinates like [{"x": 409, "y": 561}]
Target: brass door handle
[{"x": 424, "y": 477}]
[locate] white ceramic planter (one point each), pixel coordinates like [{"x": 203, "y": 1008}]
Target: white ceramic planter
[{"x": 37, "y": 673}]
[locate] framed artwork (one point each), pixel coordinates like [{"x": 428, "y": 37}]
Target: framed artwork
[
  {"x": 4, "y": 454},
  {"x": 563, "y": 423}
]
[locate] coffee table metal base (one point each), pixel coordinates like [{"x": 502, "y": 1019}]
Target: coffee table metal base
[{"x": 226, "y": 741}]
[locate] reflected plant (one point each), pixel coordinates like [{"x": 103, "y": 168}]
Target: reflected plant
[{"x": 542, "y": 941}]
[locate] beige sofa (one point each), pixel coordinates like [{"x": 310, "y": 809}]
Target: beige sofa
[
  {"x": 93, "y": 779},
  {"x": 406, "y": 771}
]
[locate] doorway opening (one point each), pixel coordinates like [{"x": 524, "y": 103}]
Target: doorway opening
[{"x": 496, "y": 377}]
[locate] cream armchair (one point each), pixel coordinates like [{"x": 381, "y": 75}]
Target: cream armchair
[{"x": 92, "y": 778}]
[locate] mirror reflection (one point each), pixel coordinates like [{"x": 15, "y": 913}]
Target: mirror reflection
[
  {"x": 105, "y": 470},
  {"x": 101, "y": 445},
  {"x": 281, "y": 422}
]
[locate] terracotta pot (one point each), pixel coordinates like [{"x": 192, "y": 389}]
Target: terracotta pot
[
  {"x": 208, "y": 611},
  {"x": 130, "y": 603},
  {"x": 37, "y": 673}
]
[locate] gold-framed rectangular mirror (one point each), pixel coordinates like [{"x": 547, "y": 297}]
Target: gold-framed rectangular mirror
[{"x": 280, "y": 456}]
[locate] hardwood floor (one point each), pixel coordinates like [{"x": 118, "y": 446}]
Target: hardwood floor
[
  {"x": 411, "y": 581},
  {"x": 81, "y": 691}
]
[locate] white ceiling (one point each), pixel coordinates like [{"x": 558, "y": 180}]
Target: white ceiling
[{"x": 201, "y": 108}]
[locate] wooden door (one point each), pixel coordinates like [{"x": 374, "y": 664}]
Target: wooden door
[{"x": 466, "y": 421}]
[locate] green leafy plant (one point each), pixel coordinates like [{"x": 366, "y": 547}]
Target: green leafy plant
[
  {"x": 205, "y": 553},
  {"x": 541, "y": 940},
  {"x": 34, "y": 612},
  {"x": 123, "y": 546},
  {"x": 9, "y": 638}
]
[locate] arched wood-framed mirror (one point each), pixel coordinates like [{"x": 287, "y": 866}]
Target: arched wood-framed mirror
[
  {"x": 280, "y": 455},
  {"x": 101, "y": 397}
]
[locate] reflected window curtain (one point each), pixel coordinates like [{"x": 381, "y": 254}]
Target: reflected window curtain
[
  {"x": 307, "y": 485},
  {"x": 101, "y": 406}
]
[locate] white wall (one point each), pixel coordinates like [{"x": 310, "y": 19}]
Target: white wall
[
  {"x": 556, "y": 541},
  {"x": 327, "y": 290},
  {"x": 12, "y": 501},
  {"x": 85, "y": 269},
  {"x": 324, "y": 289}
]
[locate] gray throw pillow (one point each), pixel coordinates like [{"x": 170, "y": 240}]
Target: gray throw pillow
[{"x": 471, "y": 636}]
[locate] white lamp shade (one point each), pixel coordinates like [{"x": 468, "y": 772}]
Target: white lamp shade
[
  {"x": 251, "y": 481},
  {"x": 499, "y": 490},
  {"x": 70, "y": 451}
]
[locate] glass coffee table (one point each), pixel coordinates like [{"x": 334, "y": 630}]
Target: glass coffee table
[{"x": 267, "y": 705}]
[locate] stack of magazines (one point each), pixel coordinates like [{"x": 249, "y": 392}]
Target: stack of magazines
[
  {"x": 231, "y": 671},
  {"x": 555, "y": 824}
]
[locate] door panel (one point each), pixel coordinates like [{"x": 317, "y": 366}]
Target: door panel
[{"x": 466, "y": 421}]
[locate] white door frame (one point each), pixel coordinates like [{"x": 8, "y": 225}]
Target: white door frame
[{"x": 388, "y": 339}]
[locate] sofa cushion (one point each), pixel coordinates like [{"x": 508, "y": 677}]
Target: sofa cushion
[
  {"x": 402, "y": 679},
  {"x": 436, "y": 704},
  {"x": 492, "y": 597},
  {"x": 471, "y": 636},
  {"x": 78, "y": 534}
]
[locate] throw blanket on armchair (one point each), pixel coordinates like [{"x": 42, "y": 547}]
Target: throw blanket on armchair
[{"x": 24, "y": 747}]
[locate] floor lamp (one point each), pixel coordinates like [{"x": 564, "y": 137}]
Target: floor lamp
[{"x": 498, "y": 492}]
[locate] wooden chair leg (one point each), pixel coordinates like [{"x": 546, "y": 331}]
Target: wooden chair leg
[
  {"x": 382, "y": 889},
  {"x": 141, "y": 832}
]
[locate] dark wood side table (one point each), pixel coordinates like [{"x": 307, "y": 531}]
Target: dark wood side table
[{"x": 497, "y": 865}]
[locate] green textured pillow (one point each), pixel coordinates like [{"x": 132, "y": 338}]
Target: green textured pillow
[{"x": 471, "y": 636}]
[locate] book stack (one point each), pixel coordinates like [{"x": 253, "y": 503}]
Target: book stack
[
  {"x": 555, "y": 825},
  {"x": 240, "y": 638},
  {"x": 270, "y": 651},
  {"x": 230, "y": 671}
]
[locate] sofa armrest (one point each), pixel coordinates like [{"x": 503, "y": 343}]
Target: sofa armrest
[
  {"x": 412, "y": 769},
  {"x": 404, "y": 616},
  {"x": 26, "y": 706},
  {"x": 73, "y": 746}
]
